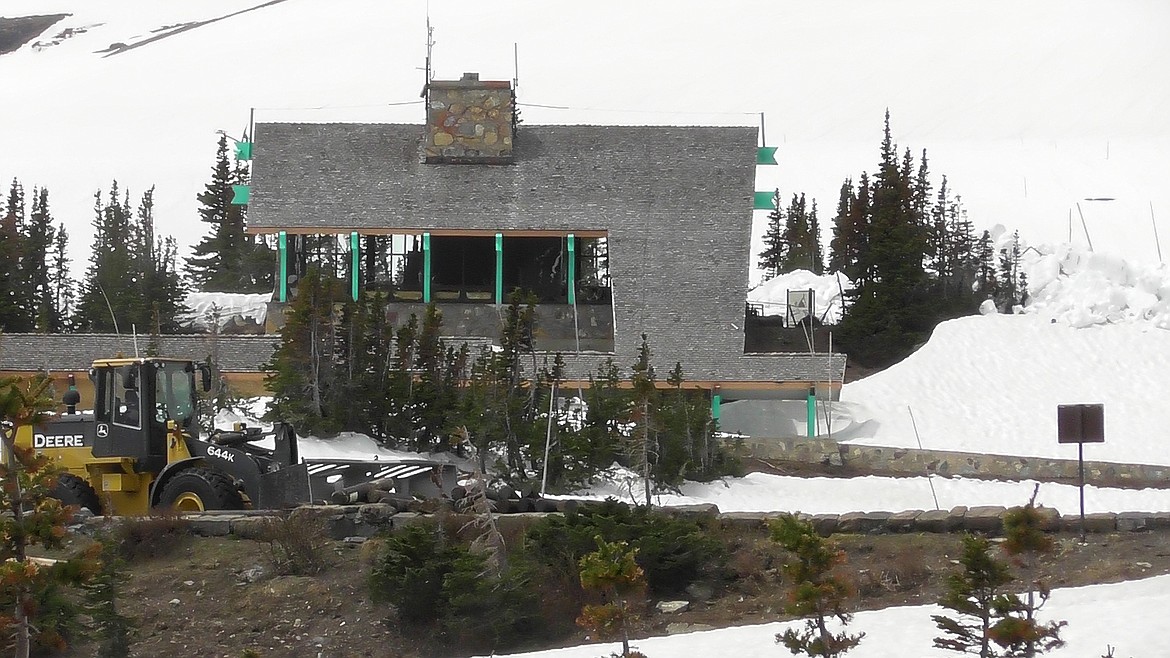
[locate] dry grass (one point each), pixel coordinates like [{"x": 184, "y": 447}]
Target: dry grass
[
  {"x": 296, "y": 545},
  {"x": 145, "y": 537}
]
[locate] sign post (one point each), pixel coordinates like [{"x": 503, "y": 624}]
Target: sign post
[{"x": 1080, "y": 424}]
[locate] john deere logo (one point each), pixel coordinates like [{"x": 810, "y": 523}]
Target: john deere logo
[{"x": 103, "y": 430}]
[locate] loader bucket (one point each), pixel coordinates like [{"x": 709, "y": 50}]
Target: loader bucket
[
  {"x": 284, "y": 488},
  {"x": 421, "y": 478}
]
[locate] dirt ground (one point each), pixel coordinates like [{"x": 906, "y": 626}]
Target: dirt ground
[{"x": 215, "y": 597}]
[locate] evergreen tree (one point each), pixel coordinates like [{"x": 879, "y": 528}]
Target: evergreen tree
[
  {"x": 16, "y": 304},
  {"x": 63, "y": 287},
  {"x": 303, "y": 366},
  {"x": 642, "y": 445},
  {"x": 987, "y": 283},
  {"x": 227, "y": 259},
  {"x": 107, "y": 291},
  {"x": 815, "y": 248},
  {"x": 31, "y": 517},
  {"x": 39, "y": 240},
  {"x": 978, "y": 595},
  {"x": 1023, "y": 635},
  {"x": 613, "y": 571},
  {"x": 817, "y": 593},
  {"x": 131, "y": 270},
  {"x": 775, "y": 247}
]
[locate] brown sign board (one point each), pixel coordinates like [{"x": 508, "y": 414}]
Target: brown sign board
[{"x": 1080, "y": 423}]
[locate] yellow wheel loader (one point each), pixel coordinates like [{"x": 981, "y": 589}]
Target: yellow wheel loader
[{"x": 141, "y": 449}]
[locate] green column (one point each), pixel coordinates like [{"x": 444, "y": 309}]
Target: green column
[
  {"x": 354, "y": 253},
  {"x": 812, "y": 412},
  {"x": 426, "y": 268},
  {"x": 499, "y": 268},
  {"x": 572, "y": 270},
  {"x": 716, "y": 402},
  {"x": 282, "y": 242}
]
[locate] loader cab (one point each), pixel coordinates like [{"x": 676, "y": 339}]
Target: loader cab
[{"x": 135, "y": 398}]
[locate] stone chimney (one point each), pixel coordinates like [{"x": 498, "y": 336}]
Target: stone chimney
[{"x": 469, "y": 121}]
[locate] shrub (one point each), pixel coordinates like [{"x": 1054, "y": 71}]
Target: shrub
[
  {"x": 144, "y": 537},
  {"x": 672, "y": 552},
  {"x": 429, "y": 580},
  {"x": 296, "y": 544}
]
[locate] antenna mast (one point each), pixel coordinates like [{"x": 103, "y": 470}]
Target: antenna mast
[{"x": 426, "y": 90}]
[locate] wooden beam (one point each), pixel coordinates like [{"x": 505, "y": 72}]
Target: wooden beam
[{"x": 461, "y": 232}]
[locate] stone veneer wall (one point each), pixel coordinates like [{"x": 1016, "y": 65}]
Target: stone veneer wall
[
  {"x": 469, "y": 121},
  {"x": 358, "y": 522},
  {"x": 912, "y": 462}
]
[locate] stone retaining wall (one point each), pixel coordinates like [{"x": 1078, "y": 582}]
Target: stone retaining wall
[
  {"x": 913, "y": 462},
  {"x": 363, "y": 521}
]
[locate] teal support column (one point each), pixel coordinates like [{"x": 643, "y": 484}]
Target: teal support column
[
  {"x": 426, "y": 268},
  {"x": 812, "y": 412},
  {"x": 354, "y": 253},
  {"x": 282, "y": 250},
  {"x": 499, "y": 268},
  {"x": 716, "y": 403},
  {"x": 572, "y": 269}
]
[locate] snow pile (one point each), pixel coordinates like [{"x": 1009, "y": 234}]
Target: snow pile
[
  {"x": 232, "y": 308},
  {"x": 772, "y": 295},
  {"x": 1073, "y": 286}
]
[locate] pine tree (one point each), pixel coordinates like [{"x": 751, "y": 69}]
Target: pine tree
[
  {"x": 39, "y": 239},
  {"x": 816, "y": 249},
  {"x": 775, "y": 248},
  {"x": 62, "y": 287},
  {"x": 228, "y": 259},
  {"x": 978, "y": 595},
  {"x": 107, "y": 293},
  {"x": 817, "y": 593},
  {"x": 303, "y": 366},
  {"x": 31, "y": 517},
  {"x": 642, "y": 445},
  {"x": 131, "y": 270},
  {"x": 1023, "y": 635},
  {"x": 612, "y": 571},
  {"x": 841, "y": 246},
  {"x": 16, "y": 304}
]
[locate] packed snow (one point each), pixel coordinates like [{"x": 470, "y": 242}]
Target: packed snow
[
  {"x": 203, "y": 307},
  {"x": 771, "y": 296},
  {"x": 1129, "y": 616}
]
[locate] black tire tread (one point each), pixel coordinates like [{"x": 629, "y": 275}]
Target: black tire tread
[
  {"x": 219, "y": 482},
  {"x": 75, "y": 490}
]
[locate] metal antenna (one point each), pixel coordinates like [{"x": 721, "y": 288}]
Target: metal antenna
[
  {"x": 108, "y": 306},
  {"x": 515, "y": 66},
  {"x": 763, "y": 137}
]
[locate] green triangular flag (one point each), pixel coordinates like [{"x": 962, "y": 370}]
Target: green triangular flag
[
  {"x": 240, "y": 195},
  {"x": 244, "y": 151},
  {"x": 764, "y": 201},
  {"x": 766, "y": 155}
]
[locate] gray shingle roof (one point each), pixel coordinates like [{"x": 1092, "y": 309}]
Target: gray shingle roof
[
  {"x": 676, "y": 203},
  {"x": 75, "y": 352}
]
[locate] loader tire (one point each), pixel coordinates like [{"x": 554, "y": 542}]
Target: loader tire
[
  {"x": 74, "y": 490},
  {"x": 199, "y": 490}
]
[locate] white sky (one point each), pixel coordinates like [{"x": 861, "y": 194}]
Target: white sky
[{"x": 1067, "y": 96}]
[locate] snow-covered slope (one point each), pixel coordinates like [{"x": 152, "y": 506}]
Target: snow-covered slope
[
  {"x": 1029, "y": 108},
  {"x": 1095, "y": 332}
]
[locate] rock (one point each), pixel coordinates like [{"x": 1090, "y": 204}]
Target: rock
[
  {"x": 932, "y": 521},
  {"x": 1134, "y": 521},
  {"x": 175, "y": 602},
  {"x": 825, "y": 524},
  {"x": 544, "y": 505},
  {"x": 700, "y": 512},
  {"x": 702, "y": 592},
  {"x": 1144, "y": 565},
  {"x": 1099, "y": 522},
  {"x": 987, "y": 519},
  {"x": 863, "y": 522},
  {"x": 443, "y": 139},
  {"x": 354, "y": 540},
  {"x": 377, "y": 513},
  {"x": 251, "y": 527},
  {"x": 902, "y": 521},
  {"x": 742, "y": 520},
  {"x": 252, "y": 575},
  {"x": 212, "y": 526},
  {"x": 677, "y": 627},
  {"x": 671, "y": 607},
  {"x": 955, "y": 518}
]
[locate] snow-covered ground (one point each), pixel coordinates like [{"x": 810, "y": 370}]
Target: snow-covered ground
[
  {"x": 204, "y": 306},
  {"x": 1028, "y": 108},
  {"x": 1129, "y": 616}
]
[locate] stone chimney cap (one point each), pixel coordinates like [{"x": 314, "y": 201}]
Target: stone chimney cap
[{"x": 470, "y": 77}]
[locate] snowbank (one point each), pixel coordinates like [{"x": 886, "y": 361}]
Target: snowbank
[{"x": 772, "y": 295}]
